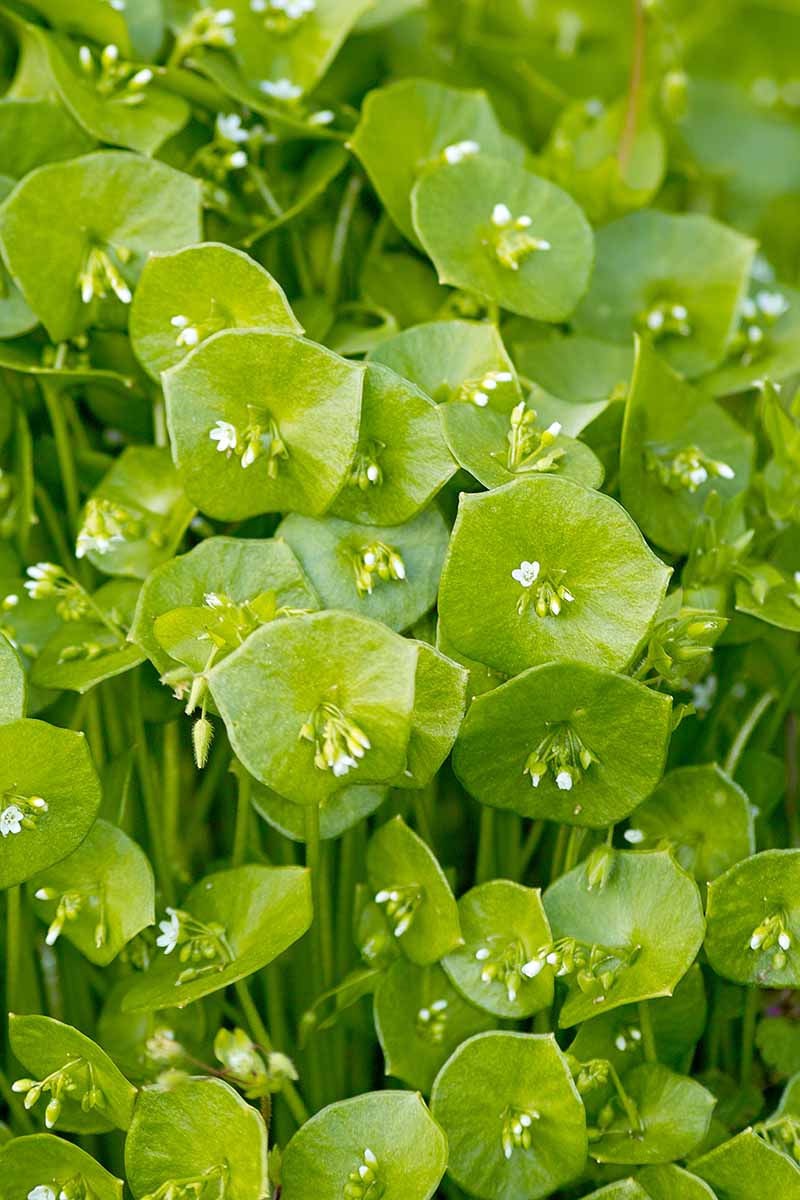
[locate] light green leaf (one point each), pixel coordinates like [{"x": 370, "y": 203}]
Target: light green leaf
[
  {"x": 439, "y": 701},
  {"x": 83, "y": 653},
  {"x": 674, "y": 1114},
  {"x": 42, "y": 1160},
  {"x": 748, "y": 1166},
  {"x": 754, "y": 920},
  {"x": 338, "y": 812},
  {"x": 13, "y": 684}
]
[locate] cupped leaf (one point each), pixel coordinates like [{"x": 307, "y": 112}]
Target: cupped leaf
[
  {"x": 309, "y": 700},
  {"x": 503, "y": 925},
  {"x": 43, "y": 1160},
  {"x": 581, "y": 376},
  {"x": 769, "y": 594},
  {"x": 90, "y": 1092},
  {"x": 565, "y": 741},
  {"x": 643, "y": 920},
  {"x": 337, "y": 813},
  {"x": 16, "y": 316},
  {"x": 35, "y": 131},
  {"x": 13, "y": 684},
  {"x": 83, "y": 653},
  {"x": 402, "y": 459},
  {"x": 623, "y": 1189},
  {"x": 184, "y": 297},
  {"x": 390, "y": 574},
  {"x": 386, "y": 1141},
  {"x": 234, "y": 405},
  {"x": 415, "y": 124},
  {"x": 112, "y": 209},
  {"x": 231, "y": 924},
  {"x": 674, "y": 454},
  {"x": 754, "y": 920},
  {"x": 513, "y": 1118},
  {"x": 702, "y": 816},
  {"x": 748, "y": 1166},
  {"x": 412, "y": 890},
  {"x": 673, "y": 1111},
  {"x": 679, "y": 278},
  {"x": 543, "y": 596},
  {"x": 420, "y": 1019},
  {"x": 49, "y": 797},
  {"x": 239, "y": 570},
  {"x": 440, "y": 694},
  {"x": 99, "y": 897},
  {"x": 201, "y": 1131},
  {"x": 671, "y": 1182},
  {"x": 494, "y": 229}
]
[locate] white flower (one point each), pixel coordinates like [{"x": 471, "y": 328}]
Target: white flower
[
  {"x": 237, "y": 160},
  {"x": 501, "y": 214},
  {"x": 482, "y": 954},
  {"x": 531, "y": 969},
  {"x": 11, "y": 819},
  {"x": 564, "y": 781},
  {"x": 325, "y": 116},
  {"x": 41, "y": 581},
  {"x": 142, "y": 78},
  {"x": 756, "y": 940},
  {"x": 655, "y": 319},
  {"x": 772, "y": 304},
  {"x": 554, "y": 429},
  {"x": 212, "y": 600},
  {"x": 373, "y": 473},
  {"x": 480, "y": 398},
  {"x": 280, "y": 89},
  {"x": 249, "y": 456},
  {"x": 225, "y": 16},
  {"x": 170, "y": 931},
  {"x": 698, "y": 475},
  {"x": 230, "y": 128},
  {"x": 42, "y": 1192},
  {"x": 224, "y": 434},
  {"x": 784, "y": 941},
  {"x": 634, "y": 836},
  {"x": 343, "y": 764},
  {"x": 526, "y": 573},
  {"x": 85, "y": 58},
  {"x": 458, "y": 151},
  {"x": 725, "y": 472}
]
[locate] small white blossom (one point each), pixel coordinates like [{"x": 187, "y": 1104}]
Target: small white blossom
[
  {"x": 458, "y": 151},
  {"x": 554, "y": 429},
  {"x": 325, "y": 116},
  {"x": 564, "y": 781},
  {"x": 280, "y": 89},
  {"x": 42, "y": 1192},
  {"x": 170, "y": 931},
  {"x": 230, "y": 128},
  {"x": 11, "y": 819},
  {"x": 224, "y": 434},
  {"x": 725, "y": 472},
  {"x": 142, "y": 78},
  {"x": 238, "y": 160},
  {"x": 784, "y": 941},
  {"x": 756, "y": 940},
  {"x": 501, "y": 214},
  {"x": 343, "y": 764},
  {"x": 249, "y": 456},
  {"x": 634, "y": 836},
  {"x": 531, "y": 969},
  {"x": 772, "y": 304},
  {"x": 526, "y": 573}
]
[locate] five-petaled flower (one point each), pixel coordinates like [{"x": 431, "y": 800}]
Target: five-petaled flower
[
  {"x": 526, "y": 573},
  {"x": 170, "y": 931}
]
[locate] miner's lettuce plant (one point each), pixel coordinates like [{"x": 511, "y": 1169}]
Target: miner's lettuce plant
[{"x": 399, "y": 600}]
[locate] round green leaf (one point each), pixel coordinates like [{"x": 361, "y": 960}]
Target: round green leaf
[
  {"x": 112, "y": 204},
  {"x": 184, "y": 297},
  {"x": 753, "y": 915},
  {"x": 565, "y": 741},
  {"x": 498, "y": 1091},
  {"x": 16, "y": 316},
  {"x": 262, "y": 911},
  {"x": 623, "y": 1189},
  {"x": 748, "y": 1166},
  {"x": 420, "y": 1019},
  {"x": 646, "y": 920},
  {"x": 303, "y": 439},
  {"x": 201, "y": 1130},
  {"x": 439, "y": 700},
  {"x": 512, "y": 238},
  {"x": 702, "y": 815},
  {"x": 45, "y": 1046},
  {"x": 390, "y": 574},
  {"x": 83, "y": 653},
  {"x": 411, "y": 888},
  {"x": 35, "y": 131},
  {"x": 415, "y": 124},
  {"x": 387, "y": 1139},
  {"x": 615, "y": 582},
  {"x": 107, "y": 887},
  {"x": 42, "y": 1160},
  {"x": 13, "y": 685},
  {"x": 670, "y": 1182},
  {"x": 337, "y": 813},
  {"x": 402, "y": 459},
  {"x": 503, "y": 925},
  {"x": 49, "y": 793},
  {"x": 295, "y": 683},
  {"x": 581, "y": 376},
  {"x": 673, "y": 455},
  {"x": 650, "y": 263},
  {"x": 674, "y": 1114}
]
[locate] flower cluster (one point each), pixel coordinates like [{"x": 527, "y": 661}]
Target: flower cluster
[
  {"x": 529, "y": 448},
  {"x": 547, "y": 588},
  {"x": 260, "y": 438},
  {"x": 19, "y": 812},
  {"x": 686, "y": 469},
  {"x": 400, "y": 904},
  {"x": 376, "y": 562},
  {"x": 114, "y": 79},
  {"x": 510, "y": 238},
  {"x": 339, "y": 743},
  {"x": 479, "y": 391},
  {"x": 203, "y": 945},
  {"x": 76, "y": 1081}
]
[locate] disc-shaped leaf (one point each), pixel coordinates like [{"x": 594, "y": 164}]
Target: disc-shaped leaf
[
  {"x": 415, "y": 124},
  {"x": 402, "y": 459},
  {"x": 623, "y": 1189},
  {"x": 496, "y": 1093},
  {"x": 35, "y": 131},
  {"x": 28, "y": 625},
  {"x": 753, "y": 915},
  {"x": 503, "y": 925},
  {"x": 420, "y": 1019},
  {"x": 261, "y": 911},
  {"x": 509, "y": 236},
  {"x": 440, "y": 694},
  {"x": 296, "y": 444},
  {"x": 572, "y": 539},
  {"x": 390, "y": 574},
  {"x": 205, "y": 1119},
  {"x": 581, "y": 376},
  {"x": 184, "y": 297},
  {"x": 239, "y": 569},
  {"x": 302, "y": 696},
  {"x": 409, "y": 885},
  {"x": 83, "y": 653},
  {"x": 111, "y": 209},
  {"x": 383, "y": 1138},
  {"x": 43, "y": 1160},
  {"x": 673, "y": 455},
  {"x": 49, "y": 797},
  {"x": 702, "y": 815},
  {"x": 337, "y": 813},
  {"x": 671, "y": 1182},
  {"x": 567, "y": 742},
  {"x": 453, "y": 360},
  {"x": 674, "y": 1114},
  {"x": 748, "y": 1166},
  {"x": 680, "y": 277},
  {"x": 45, "y": 1046},
  {"x": 16, "y": 316},
  {"x": 13, "y": 685},
  {"x": 99, "y": 897},
  {"x": 770, "y": 595},
  {"x": 646, "y": 920}
]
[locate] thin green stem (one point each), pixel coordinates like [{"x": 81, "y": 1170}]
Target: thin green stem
[
  {"x": 484, "y": 867},
  {"x": 52, "y": 524},
  {"x": 559, "y": 853},
  {"x": 635, "y": 89},
  {"x": 13, "y": 945},
  {"x": 64, "y": 454},
  {"x": 745, "y": 730},
  {"x": 752, "y": 1006},
  {"x": 341, "y": 231},
  {"x": 260, "y": 1035},
  {"x": 529, "y": 848},
  {"x": 171, "y": 761},
  {"x": 792, "y": 781},
  {"x": 244, "y": 780},
  {"x": 152, "y": 807},
  {"x": 15, "y": 1105},
  {"x": 648, "y": 1036}
]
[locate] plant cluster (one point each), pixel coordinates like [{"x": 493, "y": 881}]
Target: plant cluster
[{"x": 399, "y": 599}]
